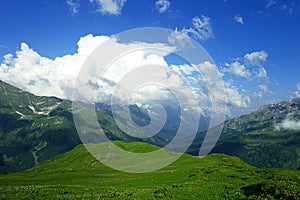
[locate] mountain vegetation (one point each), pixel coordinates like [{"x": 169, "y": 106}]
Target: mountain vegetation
[
  {"x": 266, "y": 138},
  {"x": 78, "y": 175},
  {"x": 34, "y": 129}
]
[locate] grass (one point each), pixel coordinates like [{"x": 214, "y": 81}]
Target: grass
[{"x": 77, "y": 175}]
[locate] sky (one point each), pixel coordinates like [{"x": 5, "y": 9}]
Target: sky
[{"x": 255, "y": 44}]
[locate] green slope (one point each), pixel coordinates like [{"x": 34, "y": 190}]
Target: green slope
[
  {"x": 254, "y": 138},
  {"x": 32, "y": 128},
  {"x": 36, "y": 128},
  {"x": 77, "y": 175}
]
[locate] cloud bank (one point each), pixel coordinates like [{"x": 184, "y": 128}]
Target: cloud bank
[
  {"x": 288, "y": 124},
  {"x": 43, "y": 76}
]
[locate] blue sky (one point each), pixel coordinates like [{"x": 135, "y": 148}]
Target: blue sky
[{"x": 267, "y": 28}]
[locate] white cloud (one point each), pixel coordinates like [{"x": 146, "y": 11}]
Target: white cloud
[
  {"x": 30, "y": 71},
  {"x": 162, "y": 5},
  {"x": 256, "y": 77},
  {"x": 73, "y": 6},
  {"x": 297, "y": 92},
  {"x": 262, "y": 73},
  {"x": 256, "y": 58},
  {"x": 264, "y": 88},
  {"x": 241, "y": 66},
  {"x": 112, "y": 7},
  {"x": 201, "y": 29},
  {"x": 235, "y": 99},
  {"x": 179, "y": 39},
  {"x": 56, "y": 77},
  {"x": 239, "y": 19},
  {"x": 288, "y": 124},
  {"x": 238, "y": 69},
  {"x": 87, "y": 44}
]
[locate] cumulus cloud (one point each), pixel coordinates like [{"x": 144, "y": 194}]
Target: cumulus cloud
[
  {"x": 39, "y": 75},
  {"x": 239, "y": 19},
  {"x": 256, "y": 58},
  {"x": 73, "y": 6},
  {"x": 179, "y": 39},
  {"x": 250, "y": 66},
  {"x": 288, "y": 124},
  {"x": 262, "y": 73},
  {"x": 112, "y": 7},
  {"x": 162, "y": 5},
  {"x": 238, "y": 69},
  {"x": 201, "y": 29},
  {"x": 235, "y": 99},
  {"x": 56, "y": 77},
  {"x": 30, "y": 71},
  {"x": 43, "y": 76}
]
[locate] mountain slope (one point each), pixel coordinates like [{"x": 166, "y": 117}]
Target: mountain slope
[
  {"x": 32, "y": 128},
  {"x": 76, "y": 175},
  {"x": 266, "y": 138},
  {"x": 35, "y": 128}
]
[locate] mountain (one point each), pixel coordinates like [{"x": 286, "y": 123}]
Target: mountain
[
  {"x": 35, "y": 128},
  {"x": 77, "y": 175},
  {"x": 32, "y": 128},
  {"x": 266, "y": 138}
]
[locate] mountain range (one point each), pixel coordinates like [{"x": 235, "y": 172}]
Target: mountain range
[
  {"x": 34, "y": 129},
  {"x": 266, "y": 138}
]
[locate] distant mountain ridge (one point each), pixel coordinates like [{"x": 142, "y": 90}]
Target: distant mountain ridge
[
  {"x": 263, "y": 138},
  {"x": 34, "y": 129}
]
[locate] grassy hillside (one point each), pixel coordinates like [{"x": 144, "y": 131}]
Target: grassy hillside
[
  {"x": 77, "y": 175},
  {"x": 255, "y": 139},
  {"x": 32, "y": 128},
  {"x": 35, "y": 128}
]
